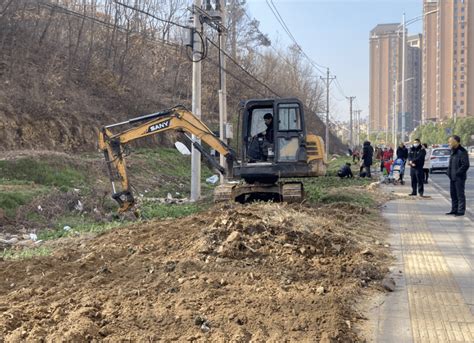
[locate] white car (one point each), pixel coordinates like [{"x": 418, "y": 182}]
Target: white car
[
  {"x": 470, "y": 150},
  {"x": 439, "y": 159}
]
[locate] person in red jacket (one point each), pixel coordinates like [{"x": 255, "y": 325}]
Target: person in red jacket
[{"x": 387, "y": 155}]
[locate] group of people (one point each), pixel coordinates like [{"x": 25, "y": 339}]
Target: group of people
[
  {"x": 366, "y": 161},
  {"x": 416, "y": 157}
]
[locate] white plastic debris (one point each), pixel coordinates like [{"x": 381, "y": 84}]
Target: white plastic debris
[
  {"x": 67, "y": 228},
  {"x": 79, "y": 206},
  {"x": 183, "y": 149},
  {"x": 33, "y": 237},
  {"x": 213, "y": 179},
  {"x": 40, "y": 208},
  {"x": 169, "y": 196}
]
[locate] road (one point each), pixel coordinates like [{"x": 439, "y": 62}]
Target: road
[{"x": 442, "y": 181}]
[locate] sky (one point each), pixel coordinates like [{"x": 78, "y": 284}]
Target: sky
[{"x": 335, "y": 33}]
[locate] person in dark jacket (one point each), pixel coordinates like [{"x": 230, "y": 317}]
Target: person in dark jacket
[
  {"x": 457, "y": 173},
  {"x": 402, "y": 152},
  {"x": 345, "y": 171},
  {"x": 416, "y": 160},
  {"x": 367, "y": 156},
  {"x": 268, "y": 118}
]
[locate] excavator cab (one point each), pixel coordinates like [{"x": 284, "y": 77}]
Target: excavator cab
[{"x": 281, "y": 149}]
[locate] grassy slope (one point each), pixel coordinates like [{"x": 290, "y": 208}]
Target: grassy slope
[{"x": 152, "y": 172}]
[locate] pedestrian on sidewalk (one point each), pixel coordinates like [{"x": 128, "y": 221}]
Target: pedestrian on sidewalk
[
  {"x": 416, "y": 160},
  {"x": 426, "y": 171},
  {"x": 367, "y": 156},
  {"x": 457, "y": 173},
  {"x": 402, "y": 152}
]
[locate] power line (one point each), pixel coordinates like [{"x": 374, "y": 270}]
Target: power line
[
  {"x": 340, "y": 89},
  {"x": 285, "y": 27},
  {"x": 271, "y": 46},
  {"x": 281, "y": 21},
  {"x": 331, "y": 120},
  {"x": 151, "y": 15},
  {"x": 102, "y": 22},
  {"x": 242, "y": 68},
  {"x": 235, "y": 77},
  {"x": 175, "y": 45},
  {"x": 208, "y": 40}
]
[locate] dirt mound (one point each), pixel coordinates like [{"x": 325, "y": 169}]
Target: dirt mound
[{"x": 264, "y": 272}]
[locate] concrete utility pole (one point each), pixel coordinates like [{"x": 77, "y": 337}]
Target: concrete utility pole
[
  {"x": 327, "y": 81},
  {"x": 358, "y": 126},
  {"x": 223, "y": 88},
  {"x": 196, "y": 103},
  {"x": 351, "y": 136}
]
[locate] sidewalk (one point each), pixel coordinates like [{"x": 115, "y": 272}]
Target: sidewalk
[{"x": 434, "y": 272}]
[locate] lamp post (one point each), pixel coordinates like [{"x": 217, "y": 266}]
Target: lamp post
[
  {"x": 404, "y": 24},
  {"x": 395, "y": 112}
]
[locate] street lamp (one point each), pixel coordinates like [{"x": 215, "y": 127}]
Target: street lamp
[
  {"x": 405, "y": 23},
  {"x": 395, "y": 112}
]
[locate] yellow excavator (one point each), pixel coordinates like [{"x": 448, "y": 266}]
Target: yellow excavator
[{"x": 273, "y": 147}]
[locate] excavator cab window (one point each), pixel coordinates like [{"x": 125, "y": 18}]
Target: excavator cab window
[
  {"x": 260, "y": 141},
  {"x": 290, "y": 135}
]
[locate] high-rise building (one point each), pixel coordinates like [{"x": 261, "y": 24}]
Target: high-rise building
[
  {"x": 413, "y": 82},
  {"x": 448, "y": 59},
  {"x": 386, "y": 42},
  {"x": 385, "y": 70}
]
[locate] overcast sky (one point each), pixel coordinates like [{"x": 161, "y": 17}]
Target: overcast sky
[{"x": 335, "y": 33}]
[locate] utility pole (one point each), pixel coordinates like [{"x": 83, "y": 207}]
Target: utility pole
[
  {"x": 327, "y": 81},
  {"x": 351, "y": 137},
  {"x": 358, "y": 126},
  {"x": 196, "y": 102},
  {"x": 223, "y": 134}
]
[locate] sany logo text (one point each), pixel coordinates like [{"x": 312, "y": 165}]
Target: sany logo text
[{"x": 159, "y": 126}]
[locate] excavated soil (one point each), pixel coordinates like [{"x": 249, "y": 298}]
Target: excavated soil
[{"x": 261, "y": 272}]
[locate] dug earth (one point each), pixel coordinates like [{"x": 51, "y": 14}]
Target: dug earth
[{"x": 255, "y": 272}]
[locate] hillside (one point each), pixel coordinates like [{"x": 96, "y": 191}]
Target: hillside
[{"x": 68, "y": 69}]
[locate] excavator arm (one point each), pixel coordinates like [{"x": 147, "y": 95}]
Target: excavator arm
[{"x": 177, "y": 118}]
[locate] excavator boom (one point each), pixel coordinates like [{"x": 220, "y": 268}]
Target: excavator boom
[{"x": 177, "y": 118}]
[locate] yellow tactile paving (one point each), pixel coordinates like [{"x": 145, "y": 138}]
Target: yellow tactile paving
[{"x": 438, "y": 312}]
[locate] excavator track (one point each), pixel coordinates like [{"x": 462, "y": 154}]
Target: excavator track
[
  {"x": 223, "y": 192},
  {"x": 292, "y": 191},
  {"x": 246, "y": 192}
]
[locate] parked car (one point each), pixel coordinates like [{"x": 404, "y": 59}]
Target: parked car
[
  {"x": 439, "y": 159},
  {"x": 471, "y": 150}
]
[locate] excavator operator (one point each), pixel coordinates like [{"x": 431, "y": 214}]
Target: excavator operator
[
  {"x": 268, "y": 118},
  {"x": 261, "y": 147}
]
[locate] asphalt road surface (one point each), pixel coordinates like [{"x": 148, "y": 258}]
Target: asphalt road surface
[{"x": 442, "y": 180}]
